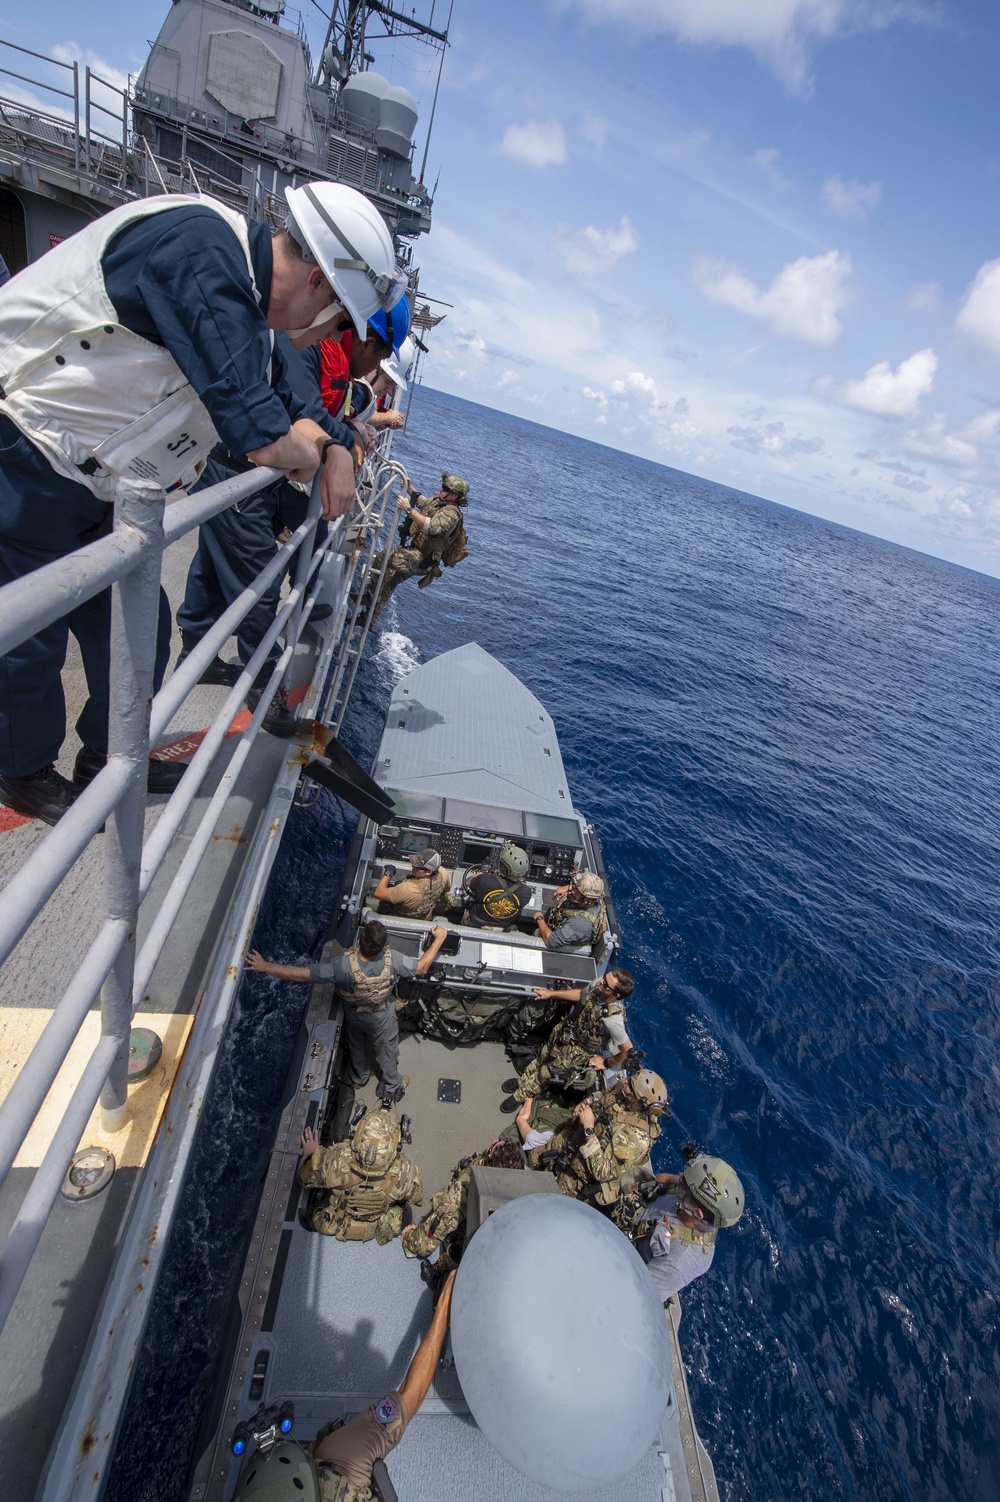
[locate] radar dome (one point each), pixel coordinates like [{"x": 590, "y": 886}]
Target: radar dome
[
  {"x": 361, "y": 98},
  {"x": 560, "y": 1343},
  {"x": 397, "y": 120}
]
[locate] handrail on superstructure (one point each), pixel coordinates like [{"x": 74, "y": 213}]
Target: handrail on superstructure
[{"x": 129, "y": 561}]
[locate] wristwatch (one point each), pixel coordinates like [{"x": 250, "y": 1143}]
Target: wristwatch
[
  {"x": 331, "y": 443},
  {"x": 588, "y": 1131}
]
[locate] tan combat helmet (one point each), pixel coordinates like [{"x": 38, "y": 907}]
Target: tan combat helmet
[
  {"x": 589, "y": 885},
  {"x": 376, "y": 1142},
  {"x": 454, "y": 484},
  {"x": 649, "y": 1090},
  {"x": 716, "y": 1187}
]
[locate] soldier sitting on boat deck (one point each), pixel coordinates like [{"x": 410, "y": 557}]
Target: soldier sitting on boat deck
[
  {"x": 577, "y": 917},
  {"x": 608, "y": 1136},
  {"x": 345, "y": 1454},
  {"x": 369, "y": 1180},
  {"x": 675, "y": 1234},
  {"x": 423, "y": 893},
  {"x": 365, "y": 977},
  {"x": 498, "y": 898},
  {"x": 571, "y": 1055},
  {"x": 444, "y": 1224},
  {"x": 435, "y": 535}
]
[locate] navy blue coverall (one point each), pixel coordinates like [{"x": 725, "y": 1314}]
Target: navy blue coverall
[
  {"x": 179, "y": 279},
  {"x": 234, "y": 546}
]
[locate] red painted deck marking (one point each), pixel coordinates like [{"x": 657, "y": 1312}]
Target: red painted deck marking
[{"x": 173, "y": 751}]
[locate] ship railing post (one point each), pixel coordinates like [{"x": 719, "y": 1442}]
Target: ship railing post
[
  {"x": 76, "y": 118},
  {"x": 134, "y": 617},
  {"x": 303, "y": 561},
  {"x": 86, "y": 117}
]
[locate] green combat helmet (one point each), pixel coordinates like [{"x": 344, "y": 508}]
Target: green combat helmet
[
  {"x": 377, "y": 1142},
  {"x": 455, "y": 485},
  {"x": 651, "y": 1092},
  {"x": 285, "y": 1473},
  {"x": 716, "y": 1187},
  {"x": 513, "y": 860}
]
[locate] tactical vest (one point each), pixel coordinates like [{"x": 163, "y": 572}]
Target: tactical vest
[
  {"x": 688, "y": 1235},
  {"x": 108, "y": 408},
  {"x": 371, "y": 992},
  {"x": 446, "y": 546},
  {"x": 431, "y": 893},
  {"x": 583, "y": 1024},
  {"x": 564, "y": 908}
]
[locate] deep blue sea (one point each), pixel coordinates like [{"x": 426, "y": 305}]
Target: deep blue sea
[{"x": 787, "y": 735}]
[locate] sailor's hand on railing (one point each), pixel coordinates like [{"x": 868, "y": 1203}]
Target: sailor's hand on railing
[
  {"x": 367, "y": 436},
  {"x": 337, "y": 482},
  {"x": 296, "y": 452}
]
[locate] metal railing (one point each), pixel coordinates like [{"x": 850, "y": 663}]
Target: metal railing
[
  {"x": 69, "y": 127},
  {"x": 129, "y": 561}
]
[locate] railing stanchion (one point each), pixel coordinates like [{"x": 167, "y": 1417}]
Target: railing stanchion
[
  {"x": 134, "y": 615},
  {"x": 303, "y": 560}
]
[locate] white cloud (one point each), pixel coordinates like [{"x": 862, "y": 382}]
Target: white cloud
[
  {"x": 851, "y": 200},
  {"x": 909, "y": 482},
  {"x": 979, "y": 316},
  {"x": 938, "y": 440},
  {"x": 589, "y": 251},
  {"x": 925, "y": 297},
  {"x": 766, "y": 161},
  {"x": 594, "y": 130},
  {"x": 636, "y": 384},
  {"x": 537, "y": 143},
  {"x": 884, "y": 391},
  {"x": 779, "y": 33},
  {"x": 802, "y": 302},
  {"x": 771, "y": 438}
]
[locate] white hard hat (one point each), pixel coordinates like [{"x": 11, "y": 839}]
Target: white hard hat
[
  {"x": 397, "y": 367},
  {"x": 349, "y": 240}
]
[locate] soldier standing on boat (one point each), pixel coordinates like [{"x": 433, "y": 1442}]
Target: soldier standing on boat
[
  {"x": 423, "y": 893},
  {"x": 369, "y": 1180},
  {"x": 609, "y": 1135},
  {"x": 365, "y": 977},
  {"x": 676, "y": 1234},
  {"x": 577, "y": 917},
  {"x": 127, "y": 353},
  {"x": 571, "y": 1055},
  {"x": 435, "y": 535}
]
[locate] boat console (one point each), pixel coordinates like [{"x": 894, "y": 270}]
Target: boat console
[{"x": 471, "y": 835}]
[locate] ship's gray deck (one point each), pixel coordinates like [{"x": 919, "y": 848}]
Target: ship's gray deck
[
  {"x": 463, "y": 726},
  {"x": 46, "y": 1334}
]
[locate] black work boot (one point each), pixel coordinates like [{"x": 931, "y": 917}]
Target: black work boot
[
  {"x": 161, "y": 776},
  {"x": 279, "y": 719},
  {"x": 45, "y": 795},
  {"x": 509, "y": 1086},
  {"x": 222, "y": 673}
]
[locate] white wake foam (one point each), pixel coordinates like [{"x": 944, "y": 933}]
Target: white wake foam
[{"x": 397, "y": 655}]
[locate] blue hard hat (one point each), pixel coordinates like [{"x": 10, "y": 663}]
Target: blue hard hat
[{"x": 392, "y": 326}]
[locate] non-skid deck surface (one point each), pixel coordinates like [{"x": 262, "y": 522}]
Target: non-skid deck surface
[
  {"x": 446, "y": 1458},
  {"x": 443, "y": 1133}
]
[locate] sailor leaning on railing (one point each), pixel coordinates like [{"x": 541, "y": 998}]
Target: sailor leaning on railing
[{"x": 127, "y": 354}]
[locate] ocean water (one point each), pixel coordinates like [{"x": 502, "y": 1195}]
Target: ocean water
[{"x": 786, "y": 733}]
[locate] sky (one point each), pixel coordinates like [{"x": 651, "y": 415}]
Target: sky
[{"x": 755, "y": 241}]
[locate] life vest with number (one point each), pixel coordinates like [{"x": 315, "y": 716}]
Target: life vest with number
[{"x": 108, "y": 408}]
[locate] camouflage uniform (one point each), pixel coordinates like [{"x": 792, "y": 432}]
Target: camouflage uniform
[
  {"x": 368, "y": 1181},
  {"x": 567, "y": 907},
  {"x": 622, "y": 1140},
  {"x": 424, "y": 553},
  {"x": 445, "y": 1220},
  {"x": 420, "y": 899},
  {"x": 572, "y": 1043}
]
